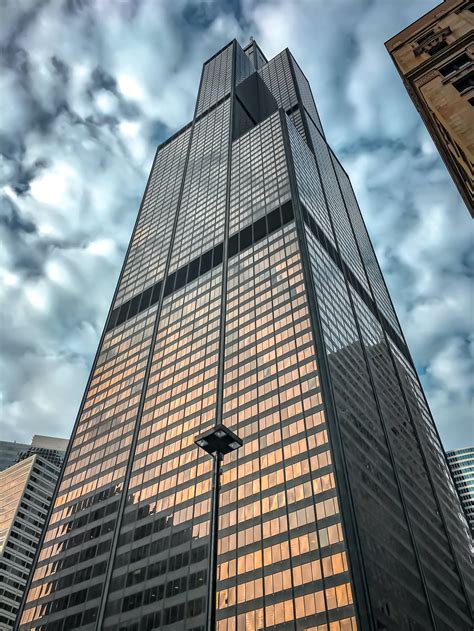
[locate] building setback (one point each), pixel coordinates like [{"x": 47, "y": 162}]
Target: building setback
[
  {"x": 435, "y": 58},
  {"x": 251, "y": 295},
  {"x": 461, "y": 463}
]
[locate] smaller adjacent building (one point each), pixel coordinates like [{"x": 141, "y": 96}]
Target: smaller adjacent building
[
  {"x": 51, "y": 448},
  {"x": 434, "y": 57},
  {"x": 461, "y": 463},
  {"x": 9, "y": 452},
  {"x": 26, "y": 491}
]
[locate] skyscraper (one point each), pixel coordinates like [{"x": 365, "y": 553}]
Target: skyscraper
[
  {"x": 461, "y": 463},
  {"x": 251, "y": 295},
  {"x": 26, "y": 490},
  {"x": 435, "y": 58}
]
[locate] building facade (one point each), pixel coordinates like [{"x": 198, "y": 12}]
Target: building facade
[
  {"x": 26, "y": 490},
  {"x": 251, "y": 295},
  {"x": 48, "y": 447},
  {"x": 461, "y": 463},
  {"x": 435, "y": 58}
]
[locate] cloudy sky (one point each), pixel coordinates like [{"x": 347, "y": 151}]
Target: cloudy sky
[{"x": 89, "y": 88}]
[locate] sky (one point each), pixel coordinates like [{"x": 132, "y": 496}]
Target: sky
[{"x": 89, "y": 88}]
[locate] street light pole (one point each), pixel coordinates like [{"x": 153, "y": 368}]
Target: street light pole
[
  {"x": 217, "y": 442},
  {"x": 214, "y": 532}
]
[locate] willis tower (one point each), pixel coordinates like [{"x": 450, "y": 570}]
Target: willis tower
[{"x": 251, "y": 295}]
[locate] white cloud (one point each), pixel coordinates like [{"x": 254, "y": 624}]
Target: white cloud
[
  {"x": 11, "y": 280},
  {"x": 130, "y": 87},
  {"x": 38, "y": 297},
  {"x": 102, "y": 247},
  {"x": 53, "y": 186},
  {"x": 106, "y": 102}
]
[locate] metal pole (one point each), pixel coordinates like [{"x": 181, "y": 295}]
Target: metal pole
[{"x": 214, "y": 529}]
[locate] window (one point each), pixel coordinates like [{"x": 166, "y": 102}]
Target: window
[
  {"x": 432, "y": 42},
  {"x": 455, "y": 65},
  {"x": 424, "y": 38},
  {"x": 465, "y": 83}
]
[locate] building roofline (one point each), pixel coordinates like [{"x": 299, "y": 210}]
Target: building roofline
[
  {"x": 254, "y": 43},
  {"x": 220, "y": 51},
  {"x": 445, "y": 7}
]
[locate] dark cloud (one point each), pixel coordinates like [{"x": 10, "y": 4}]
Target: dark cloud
[
  {"x": 88, "y": 91},
  {"x": 101, "y": 79},
  {"x": 12, "y": 219},
  {"x": 62, "y": 69}
]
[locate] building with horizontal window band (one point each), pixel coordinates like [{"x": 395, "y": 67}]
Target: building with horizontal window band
[
  {"x": 28, "y": 476},
  {"x": 461, "y": 463},
  {"x": 251, "y": 295}
]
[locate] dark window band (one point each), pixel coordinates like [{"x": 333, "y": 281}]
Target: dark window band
[
  {"x": 354, "y": 281},
  {"x": 266, "y": 225},
  {"x": 238, "y": 242}
]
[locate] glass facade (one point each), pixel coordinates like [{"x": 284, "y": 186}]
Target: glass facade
[
  {"x": 461, "y": 463},
  {"x": 251, "y": 295},
  {"x": 160, "y": 568},
  {"x": 282, "y": 555},
  {"x": 201, "y": 217},
  {"x": 146, "y": 259}
]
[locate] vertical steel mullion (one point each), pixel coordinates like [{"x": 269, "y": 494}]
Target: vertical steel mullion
[{"x": 225, "y": 253}]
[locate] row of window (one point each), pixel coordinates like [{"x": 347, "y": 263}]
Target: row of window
[
  {"x": 160, "y": 568},
  {"x": 282, "y": 580},
  {"x": 216, "y": 79},
  {"x": 268, "y": 224},
  {"x": 186, "y": 348},
  {"x": 269, "y": 334},
  {"x": 157, "y": 592},
  {"x": 200, "y": 223},
  {"x": 289, "y": 610},
  {"x": 150, "y": 242}
]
